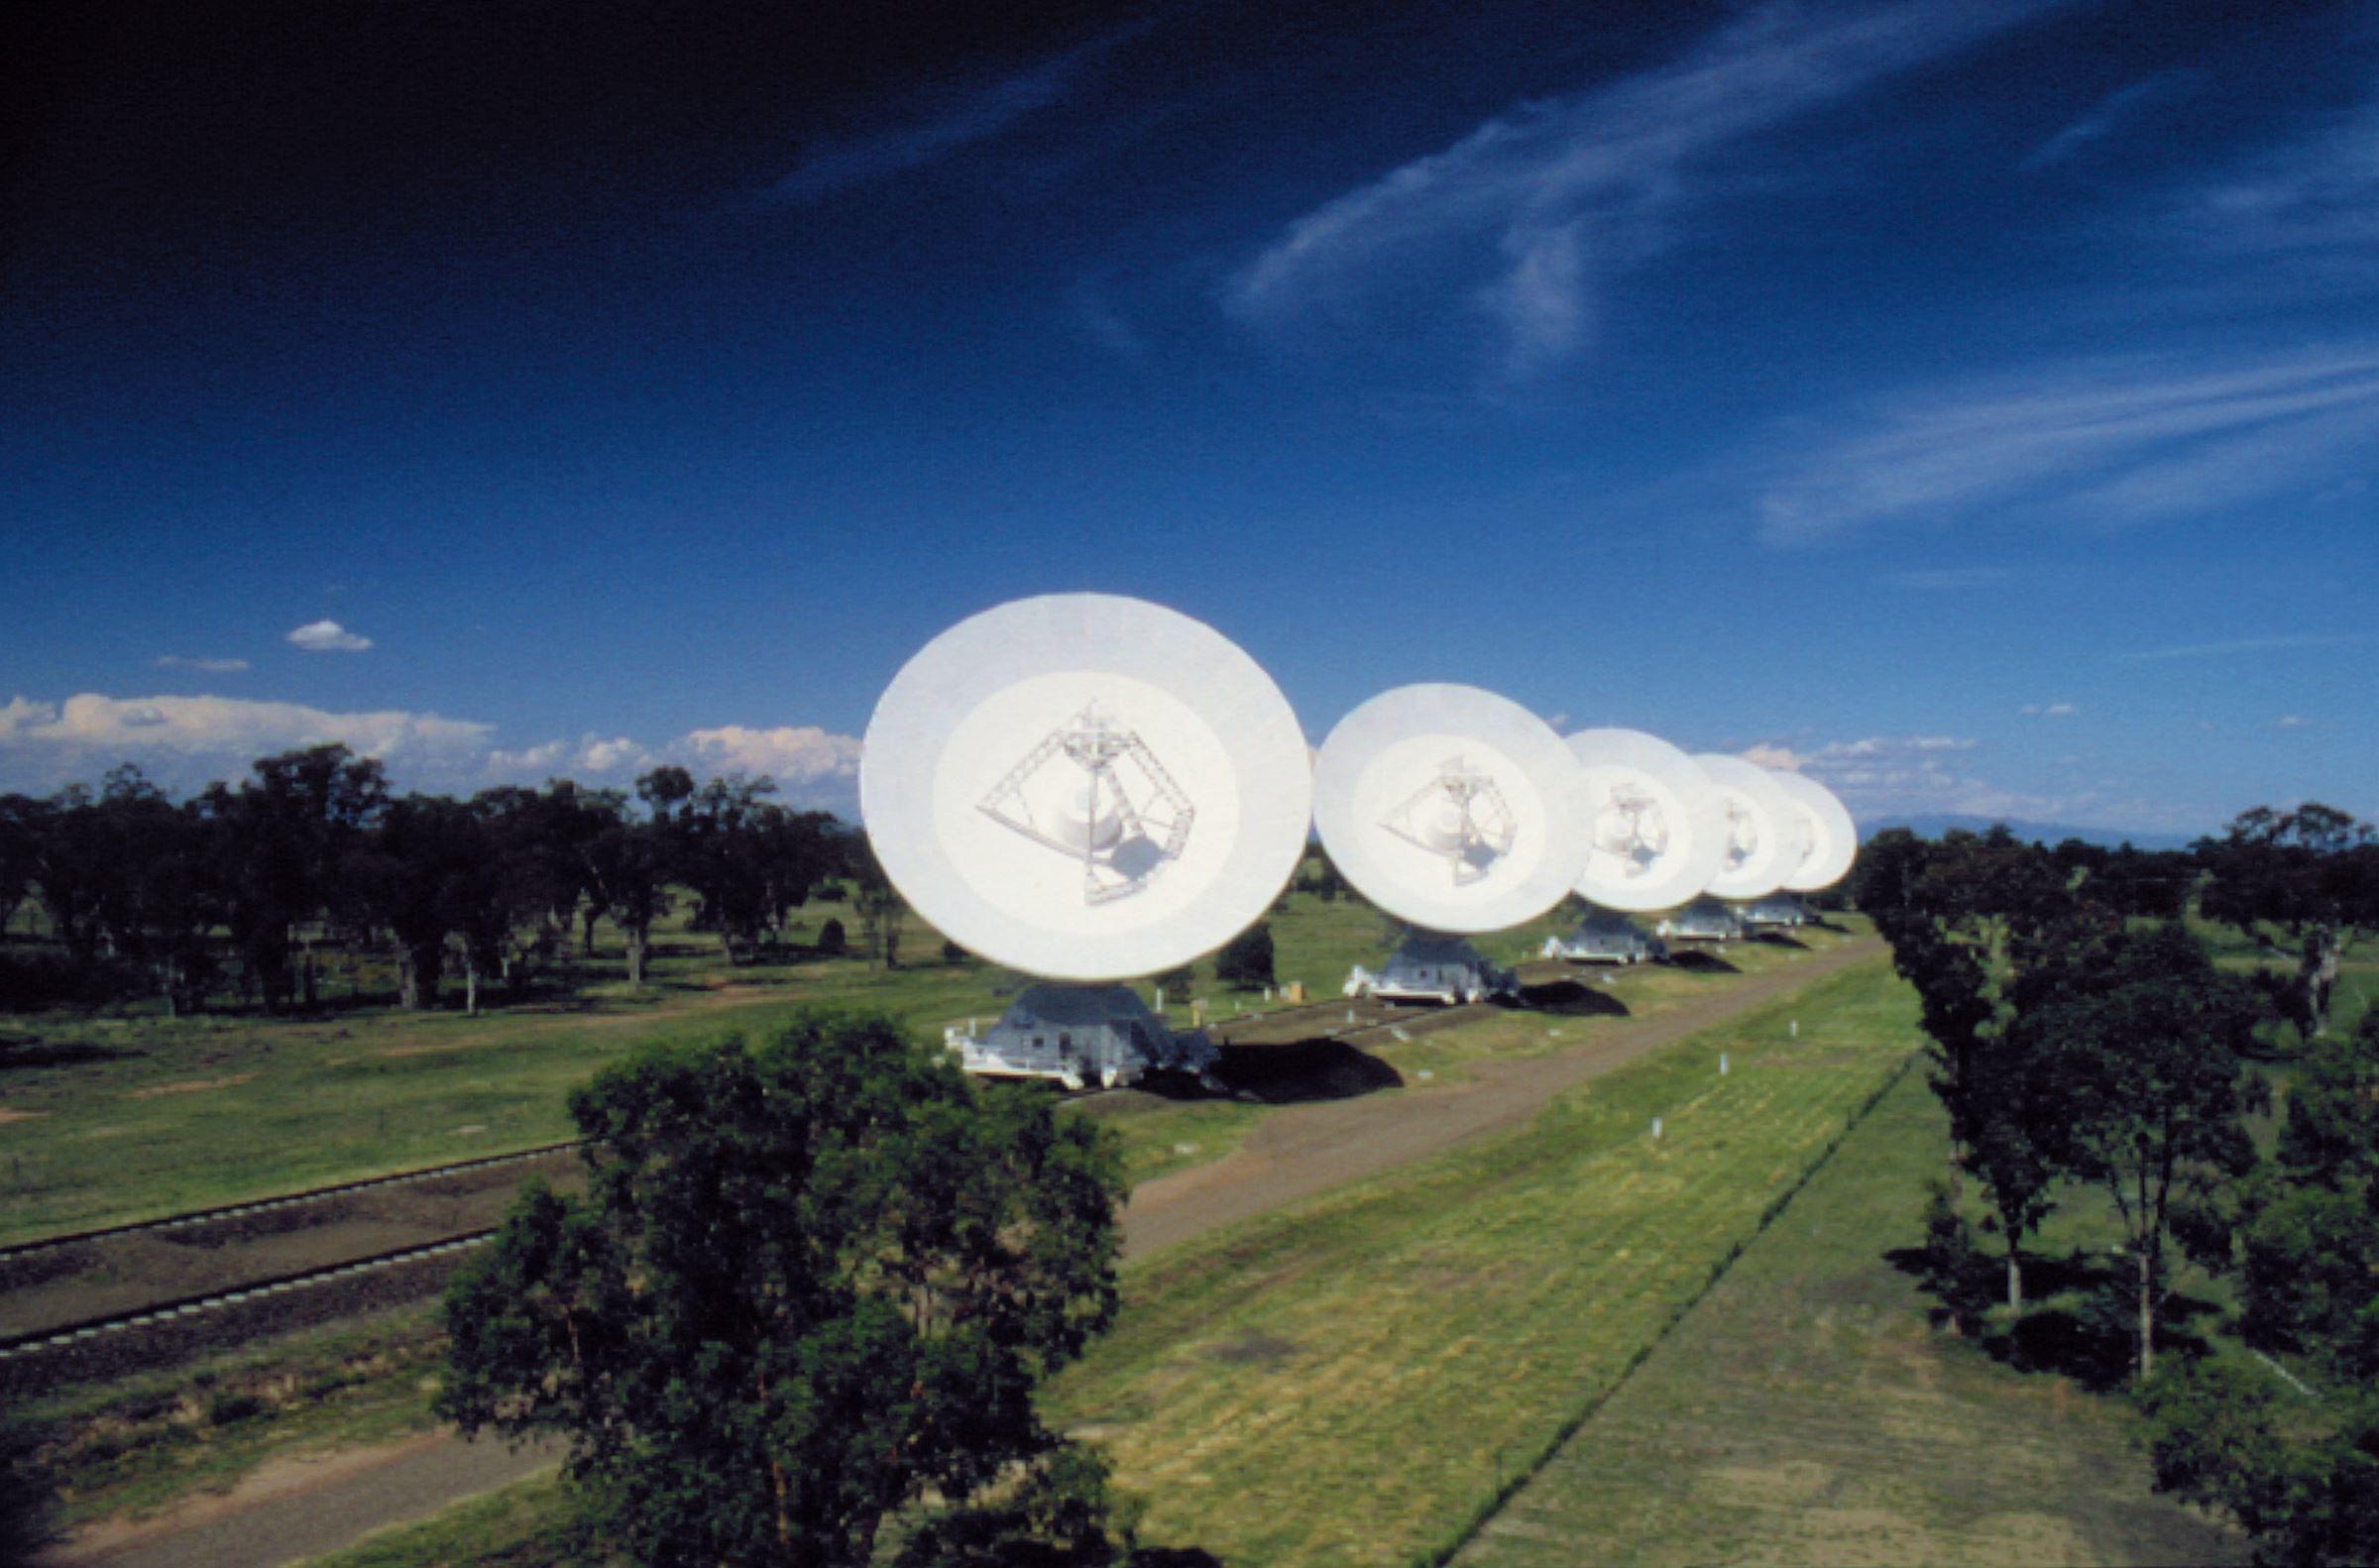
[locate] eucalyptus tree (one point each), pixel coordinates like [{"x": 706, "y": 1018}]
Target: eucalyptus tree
[
  {"x": 2150, "y": 1044},
  {"x": 627, "y": 878},
  {"x": 1965, "y": 916},
  {"x": 67, "y": 859},
  {"x": 2297, "y": 1467},
  {"x": 2314, "y": 872},
  {"x": 18, "y": 813},
  {"x": 810, "y": 1284},
  {"x": 286, "y": 838},
  {"x": 161, "y": 890},
  {"x": 415, "y": 879},
  {"x": 878, "y": 905}
]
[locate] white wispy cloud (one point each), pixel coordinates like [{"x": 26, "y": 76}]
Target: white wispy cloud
[
  {"x": 977, "y": 113},
  {"x": 1881, "y": 775},
  {"x": 2317, "y": 192},
  {"x": 1525, "y": 212},
  {"x": 2049, "y": 709},
  {"x": 176, "y": 661},
  {"x": 2107, "y": 442},
  {"x": 2291, "y": 722},
  {"x": 328, "y": 636},
  {"x": 2273, "y": 644},
  {"x": 2108, "y": 114}
]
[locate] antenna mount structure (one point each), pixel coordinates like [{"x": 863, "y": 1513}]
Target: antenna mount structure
[
  {"x": 1121, "y": 843},
  {"x": 1461, "y": 816},
  {"x": 1087, "y": 789}
]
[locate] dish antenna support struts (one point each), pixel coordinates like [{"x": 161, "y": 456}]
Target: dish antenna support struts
[
  {"x": 1453, "y": 810},
  {"x": 1087, "y": 789},
  {"x": 1658, "y": 834}
]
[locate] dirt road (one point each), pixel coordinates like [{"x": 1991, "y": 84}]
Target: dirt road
[
  {"x": 1300, "y": 1149},
  {"x": 306, "y": 1508}
]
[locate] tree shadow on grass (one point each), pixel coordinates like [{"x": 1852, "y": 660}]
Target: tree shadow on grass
[
  {"x": 25, "y": 1053},
  {"x": 1699, "y": 961},
  {"x": 1777, "y": 939},
  {"x": 1569, "y": 999},
  {"x": 2078, "y": 1318}
]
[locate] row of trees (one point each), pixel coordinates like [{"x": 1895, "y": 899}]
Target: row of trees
[
  {"x": 246, "y": 883},
  {"x": 2082, "y": 1037}
]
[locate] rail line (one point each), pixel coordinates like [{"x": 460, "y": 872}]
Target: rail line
[
  {"x": 284, "y": 1201},
  {"x": 16, "y": 1345},
  {"x": 169, "y": 1329}
]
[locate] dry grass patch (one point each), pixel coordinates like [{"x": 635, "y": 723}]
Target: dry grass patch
[{"x": 194, "y": 1086}]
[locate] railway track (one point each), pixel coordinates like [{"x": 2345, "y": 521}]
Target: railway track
[
  {"x": 281, "y": 1202},
  {"x": 112, "y": 1300}
]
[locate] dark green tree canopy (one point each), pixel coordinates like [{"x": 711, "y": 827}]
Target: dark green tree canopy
[
  {"x": 810, "y": 1282},
  {"x": 1245, "y": 962}
]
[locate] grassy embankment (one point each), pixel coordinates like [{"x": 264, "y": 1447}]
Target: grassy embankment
[
  {"x": 1352, "y": 1380},
  {"x": 1807, "y": 1411},
  {"x": 125, "y": 1115}
]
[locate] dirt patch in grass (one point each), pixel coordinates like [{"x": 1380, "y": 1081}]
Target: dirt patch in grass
[
  {"x": 285, "y": 1476},
  {"x": 192, "y": 1087},
  {"x": 8, "y": 1115}
]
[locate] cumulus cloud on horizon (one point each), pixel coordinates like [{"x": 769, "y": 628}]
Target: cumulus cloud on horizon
[
  {"x": 187, "y": 742},
  {"x": 328, "y": 636},
  {"x": 796, "y": 756},
  {"x": 192, "y": 740}
]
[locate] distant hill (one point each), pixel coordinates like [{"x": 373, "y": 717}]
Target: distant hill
[{"x": 1936, "y": 824}]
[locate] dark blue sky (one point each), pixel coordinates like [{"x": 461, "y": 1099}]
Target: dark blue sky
[{"x": 1977, "y": 404}]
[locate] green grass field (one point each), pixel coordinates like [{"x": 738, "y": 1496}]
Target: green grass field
[
  {"x": 1352, "y": 1380},
  {"x": 1806, "y": 1412},
  {"x": 1348, "y": 1382},
  {"x": 125, "y": 1115}
]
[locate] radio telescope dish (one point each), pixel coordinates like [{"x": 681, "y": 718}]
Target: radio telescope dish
[
  {"x": 1658, "y": 828},
  {"x": 1450, "y": 808},
  {"x": 1086, "y": 787},
  {"x": 1833, "y": 836},
  {"x": 1764, "y": 833}
]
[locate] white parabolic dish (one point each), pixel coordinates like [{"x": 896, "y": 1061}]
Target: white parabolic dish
[
  {"x": 1833, "y": 836},
  {"x": 1086, "y": 787},
  {"x": 1765, "y": 837},
  {"x": 1451, "y": 807},
  {"x": 1658, "y": 830}
]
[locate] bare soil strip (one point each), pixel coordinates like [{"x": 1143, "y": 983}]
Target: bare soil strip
[{"x": 1298, "y": 1151}]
